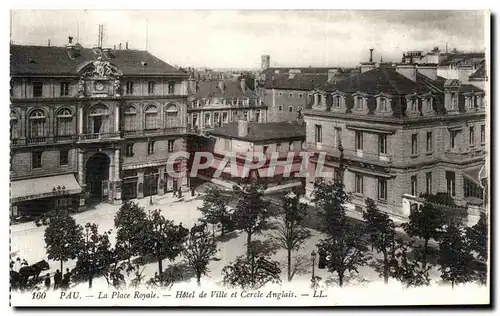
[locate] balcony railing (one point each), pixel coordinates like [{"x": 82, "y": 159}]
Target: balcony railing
[
  {"x": 36, "y": 140},
  {"x": 65, "y": 138},
  {"x": 98, "y": 136},
  {"x": 156, "y": 131},
  {"x": 463, "y": 155}
]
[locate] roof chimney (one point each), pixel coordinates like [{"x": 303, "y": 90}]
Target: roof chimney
[
  {"x": 70, "y": 38},
  {"x": 48, "y": 43},
  {"x": 243, "y": 85},
  {"x": 120, "y": 46},
  {"x": 371, "y": 55},
  {"x": 126, "y": 45},
  {"x": 222, "y": 85},
  {"x": 242, "y": 128}
]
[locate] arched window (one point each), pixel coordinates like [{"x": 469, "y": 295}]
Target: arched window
[
  {"x": 14, "y": 125},
  {"x": 130, "y": 119},
  {"x": 151, "y": 117},
  {"x": 98, "y": 119},
  {"x": 171, "y": 116},
  {"x": 64, "y": 122},
  {"x": 36, "y": 124}
]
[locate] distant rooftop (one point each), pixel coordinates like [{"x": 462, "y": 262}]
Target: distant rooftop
[{"x": 259, "y": 132}]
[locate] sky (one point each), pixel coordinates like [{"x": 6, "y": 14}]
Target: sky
[{"x": 237, "y": 39}]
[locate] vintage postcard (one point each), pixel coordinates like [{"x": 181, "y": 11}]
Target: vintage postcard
[{"x": 249, "y": 158}]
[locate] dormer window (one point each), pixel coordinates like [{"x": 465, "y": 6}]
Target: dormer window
[
  {"x": 428, "y": 105},
  {"x": 414, "y": 105},
  {"x": 469, "y": 102}
]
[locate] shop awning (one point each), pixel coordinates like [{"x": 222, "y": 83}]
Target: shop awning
[
  {"x": 473, "y": 175},
  {"x": 37, "y": 188}
]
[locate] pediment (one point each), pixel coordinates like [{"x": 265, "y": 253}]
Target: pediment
[
  {"x": 99, "y": 69},
  {"x": 452, "y": 83}
]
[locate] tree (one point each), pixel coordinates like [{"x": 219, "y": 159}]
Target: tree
[
  {"x": 404, "y": 269},
  {"x": 425, "y": 222},
  {"x": 255, "y": 270},
  {"x": 129, "y": 223},
  {"x": 455, "y": 257},
  {"x": 478, "y": 237},
  {"x": 214, "y": 208},
  {"x": 344, "y": 246},
  {"x": 289, "y": 232},
  {"x": 199, "y": 251},
  {"x": 63, "y": 237},
  {"x": 161, "y": 238},
  {"x": 251, "y": 212},
  {"x": 96, "y": 256},
  {"x": 382, "y": 233}
]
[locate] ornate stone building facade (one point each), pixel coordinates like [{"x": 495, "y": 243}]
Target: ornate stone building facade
[
  {"x": 92, "y": 125},
  {"x": 397, "y": 130}
]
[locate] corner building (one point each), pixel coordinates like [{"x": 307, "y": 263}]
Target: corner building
[
  {"x": 402, "y": 131},
  {"x": 92, "y": 125}
]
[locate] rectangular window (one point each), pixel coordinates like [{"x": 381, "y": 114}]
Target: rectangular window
[
  {"x": 359, "y": 103},
  {"x": 280, "y": 108},
  {"x": 37, "y": 89},
  {"x": 151, "y": 87},
  {"x": 130, "y": 87},
  {"x": 257, "y": 116},
  {"x": 450, "y": 182},
  {"x": 129, "y": 150},
  {"x": 151, "y": 147},
  {"x": 337, "y": 101},
  {"x": 429, "y": 105},
  {"x": 290, "y": 109},
  {"x": 471, "y": 102},
  {"x": 428, "y": 143},
  {"x": 64, "y": 89},
  {"x": 280, "y": 94},
  {"x": 290, "y": 95},
  {"x": 382, "y": 189},
  {"x": 414, "y": 185},
  {"x": 428, "y": 182},
  {"x": 318, "y": 134},
  {"x": 414, "y": 105},
  {"x": 383, "y": 104},
  {"x": 170, "y": 145},
  {"x": 382, "y": 143},
  {"x": 414, "y": 144},
  {"x": 471, "y": 135},
  {"x": 301, "y": 95},
  {"x": 358, "y": 140},
  {"x": 358, "y": 183},
  {"x": 483, "y": 134},
  {"x": 36, "y": 159},
  {"x": 245, "y": 115},
  {"x": 63, "y": 157},
  {"x": 454, "y": 100},
  {"x": 171, "y": 87},
  {"x": 454, "y": 139}
]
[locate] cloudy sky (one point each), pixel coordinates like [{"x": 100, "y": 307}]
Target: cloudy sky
[{"x": 238, "y": 38}]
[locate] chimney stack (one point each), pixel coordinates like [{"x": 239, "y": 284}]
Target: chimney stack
[
  {"x": 48, "y": 43},
  {"x": 242, "y": 128},
  {"x": 243, "y": 85},
  {"x": 126, "y": 45},
  {"x": 70, "y": 38},
  {"x": 331, "y": 74},
  {"x": 371, "y": 55},
  {"x": 120, "y": 46},
  {"x": 222, "y": 85}
]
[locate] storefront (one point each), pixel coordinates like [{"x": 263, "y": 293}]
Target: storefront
[
  {"x": 129, "y": 184},
  {"x": 32, "y": 197}
]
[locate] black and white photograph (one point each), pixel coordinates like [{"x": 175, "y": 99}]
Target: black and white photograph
[{"x": 249, "y": 158}]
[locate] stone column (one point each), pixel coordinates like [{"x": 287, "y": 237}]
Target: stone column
[
  {"x": 117, "y": 182},
  {"x": 117, "y": 117},
  {"x": 80, "y": 119},
  {"x": 140, "y": 184}
]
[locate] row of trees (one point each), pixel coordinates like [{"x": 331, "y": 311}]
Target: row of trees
[
  {"x": 139, "y": 233},
  {"x": 345, "y": 245}
]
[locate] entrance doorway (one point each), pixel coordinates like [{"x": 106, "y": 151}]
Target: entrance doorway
[{"x": 97, "y": 175}]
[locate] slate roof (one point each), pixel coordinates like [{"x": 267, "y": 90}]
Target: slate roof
[
  {"x": 303, "y": 70},
  {"x": 53, "y": 60},
  {"x": 298, "y": 82},
  {"x": 461, "y": 58},
  {"x": 378, "y": 80},
  {"x": 232, "y": 89},
  {"x": 480, "y": 73},
  {"x": 263, "y": 131}
]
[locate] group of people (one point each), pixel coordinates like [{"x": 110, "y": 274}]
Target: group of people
[{"x": 60, "y": 281}]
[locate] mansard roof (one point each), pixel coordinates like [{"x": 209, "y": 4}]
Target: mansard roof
[
  {"x": 480, "y": 73},
  {"x": 59, "y": 61},
  {"x": 232, "y": 89}
]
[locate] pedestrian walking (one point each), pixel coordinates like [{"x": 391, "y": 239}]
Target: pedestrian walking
[
  {"x": 57, "y": 279},
  {"x": 47, "y": 281}
]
